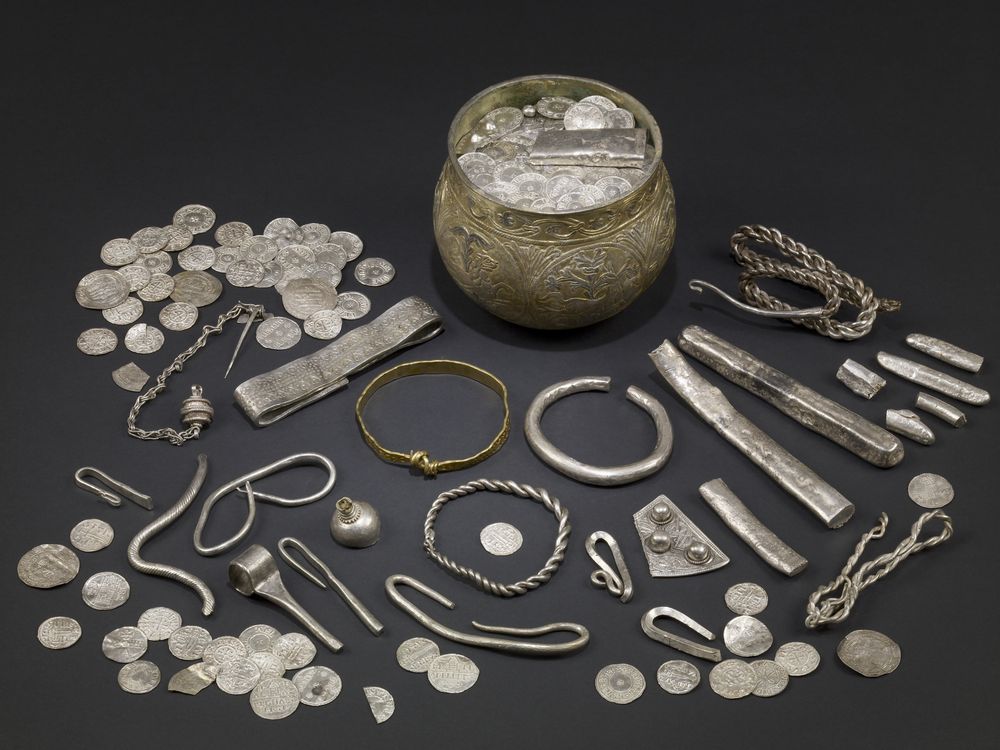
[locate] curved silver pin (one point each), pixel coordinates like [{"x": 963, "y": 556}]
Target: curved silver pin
[
  {"x": 697, "y": 285},
  {"x": 113, "y": 499},
  {"x": 675, "y": 641},
  {"x": 617, "y": 582}
]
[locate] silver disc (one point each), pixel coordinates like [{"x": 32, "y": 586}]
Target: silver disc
[
  {"x": 323, "y": 325},
  {"x": 302, "y": 297},
  {"x": 797, "y": 658},
  {"x": 137, "y": 276},
  {"x": 225, "y": 257},
  {"x": 678, "y": 677},
  {"x": 158, "y": 289},
  {"x": 196, "y": 258},
  {"x": 143, "y": 339},
  {"x": 139, "y": 677},
  {"x": 317, "y": 686},
  {"x": 772, "y": 678},
  {"x": 600, "y": 101},
  {"x": 869, "y": 653},
  {"x": 746, "y": 599},
  {"x": 619, "y": 119},
  {"x": 233, "y": 233},
  {"x": 352, "y": 305},
  {"x": 245, "y": 273},
  {"x": 501, "y": 539},
  {"x": 223, "y": 650},
  {"x": 106, "y": 590},
  {"x": 330, "y": 252},
  {"x": 97, "y": 341},
  {"x": 192, "y": 680},
  {"x": 270, "y": 665},
  {"x": 124, "y": 645},
  {"x": 416, "y": 654},
  {"x": 732, "y": 679},
  {"x": 195, "y": 217},
  {"x": 178, "y": 316},
  {"x": 158, "y": 262},
  {"x": 59, "y": 632},
  {"x": 178, "y": 238},
  {"x": 295, "y": 649},
  {"x": 452, "y": 673},
  {"x": 584, "y": 116},
  {"x": 99, "y": 290},
  {"x": 747, "y": 636},
  {"x": 200, "y": 288},
  {"x": 274, "y": 698},
  {"x": 314, "y": 233},
  {"x": 351, "y": 243},
  {"x": 130, "y": 377},
  {"x": 278, "y": 333},
  {"x": 259, "y": 638},
  {"x": 930, "y": 491},
  {"x": 91, "y": 535},
  {"x": 124, "y": 314},
  {"x": 260, "y": 248},
  {"x": 159, "y": 623},
  {"x": 281, "y": 229},
  {"x": 554, "y": 107},
  {"x": 374, "y": 272},
  {"x": 238, "y": 677},
  {"x": 150, "y": 239},
  {"x": 47, "y": 566},
  {"x": 119, "y": 252},
  {"x": 188, "y": 642},
  {"x": 620, "y": 683},
  {"x": 381, "y": 703}
]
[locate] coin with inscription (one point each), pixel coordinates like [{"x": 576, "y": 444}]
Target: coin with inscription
[
  {"x": 351, "y": 243},
  {"x": 274, "y": 698},
  {"x": 501, "y": 539},
  {"x": 238, "y": 677},
  {"x": 225, "y": 257},
  {"x": 295, "y": 256},
  {"x": 124, "y": 314},
  {"x": 586, "y": 196},
  {"x": 150, "y": 239},
  {"x": 869, "y": 653},
  {"x": 99, "y": 290},
  {"x": 130, "y": 377},
  {"x": 119, "y": 252},
  {"x": 282, "y": 228},
  {"x": 188, "y": 642},
  {"x": 91, "y": 535},
  {"x": 143, "y": 339},
  {"x": 178, "y": 238},
  {"x": 772, "y": 678},
  {"x": 159, "y": 288},
  {"x": 258, "y": 638},
  {"x": 159, "y": 623},
  {"x": 620, "y": 683},
  {"x": 381, "y": 703},
  {"x": 302, "y": 297},
  {"x": 613, "y": 187},
  {"x": 328, "y": 272},
  {"x": 323, "y": 324},
  {"x": 330, "y": 252},
  {"x": 97, "y": 341},
  {"x": 139, "y": 677},
  {"x": 47, "y": 566},
  {"x": 270, "y": 665},
  {"x": 352, "y": 305},
  {"x": 245, "y": 273},
  {"x": 295, "y": 649},
  {"x": 930, "y": 491},
  {"x": 196, "y": 258},
  {"x": 797, "y": 658},
  {"x": 233, "y": 233},
  {"x": 59, "y": 632},
  {"x": 732, "y": 679},
  {"x": 678, "y": 676},
  {"x": 178, "y": 316},
  {"x": 374, "y": 272},
  {"x": 124, "y": 645},
  {"x": 619, "y": 118},
  {"x": 272, "y": 275},
  {"x": 317, "y": 686},
  {"x": 195, "y": 217},
  {"x": 747, "y": 636},
  {"x": 599, "y": 101},
  {"x": 192, "y": 680},
  {"x": 260, "y": 248},
  {"x": 554, "y": 107},
  {"x": 746, "y": 599},
  {"x": 200, "y": 288},
  {"x": 584, "y": 116},
  {"x": 278, "y": 333},
  {"x": 452, "y": 673},
  {"x": 136, "y": 275},
  {"x": 105, "y": 590},
  {"x": 158, "y": 262},
  {"x": 222, "y": 650},
  {"x": 315, "y": 233},
  {"x": 416, "y": 654}
]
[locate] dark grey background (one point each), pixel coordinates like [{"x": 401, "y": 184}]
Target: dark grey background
[{"x": 865, "y": 130}]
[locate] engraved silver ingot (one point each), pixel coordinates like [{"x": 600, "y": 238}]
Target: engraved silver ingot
[
  {"x": 931, "y": 378},
  {"x": 611, "y": 147}
]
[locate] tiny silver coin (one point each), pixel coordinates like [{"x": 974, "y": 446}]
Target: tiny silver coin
[
  {"x": 314, "y": 233},
  {"x": 869, "y": 653},
  {"x": 259, "y": 638},
  {"x": 158, "y": 262},
  {"x": 352, "y": 305},
  {"x": 178, "y": 238},
  {"x": 732, "y": 679},
  {"x": 772, "y": 678},
  {"x": 620, "y": 683},
  {"x": 746, "y": 599},
  {"x": 196, "y": 258},
  {"x": 270, "y": 665},
  {"x": 302, "y": 297},
  {"x": 317, "y": 686},
  {"x": 281, "y": 229},
  {"x": 678, "y": 677},
  {"x": 130, "y": 377},
  {"x": 295, "y": 649},
  {"x": 47, "y": 566},
  {"x": 159, "y": 623},
  {"x": 747, "y": 636},
  {"x": 930, "y": 491},
  {"x": 331, "y": 252},
  {"x": 159, "y": 288},
  {"x": 200, "y": 288},
  {"x": 374, "y": 272},
  {"x": 323, "y": 324},
  {"x": 278, "y": 333},
  {"x": 501, "y": 539},
  {"x": 119, "y": 252},
  {"x": 351, "y": 243},
  {"x": 223, "y": 650},
  {"x": 452, "y": 673},
  {"x": 139, "y": 677},
  {"x": 416, "y": 654},
  {"x": 233, "y": 233},
  {"x": 274, "y": 698},
  {"x": 143, "y": 339},
  {"x": 178, "y": 316},
  {"x": 619, "y": 118},
  {"x": 136, "y": 276},
  {"x": 260, "y": 248},
  {"x": 150, "y": 239},
  {"x": 188, "y": 642},
  {"x": 91, "y": 535},
  {"x": 381, "y": 703},
  {"x": 106, "y": 590},
  {"x": 584, "y": 116},
  {"x": 599, "y": 101},
  {"x": 97, "y": 341},
  {"x": 238, "y": 677},
  {"x": 245, "y": 273},
  {"x": 797, "y": 658},
  {"x": 124, "y": 645},
  {"x": 124, "y": 314},
  {"x": 99, "y": 290},
  {"x": 195, "y": 217},
  {"x": 59, "y": 632},
  {"x": 553, "y": 107}
]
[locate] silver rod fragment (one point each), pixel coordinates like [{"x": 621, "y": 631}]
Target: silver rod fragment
[
  {"x": 953, "y": 355},
  {"x": 710, "y": 404},
  {"x": 908, "y": 424},
  {"x": 807, "y": 407},
  {"x": 749, "y": 528},
  {"x": 860, "y": 379},
  {"x": 931, "y": 378},
  {"x": 941, "y": 409}
]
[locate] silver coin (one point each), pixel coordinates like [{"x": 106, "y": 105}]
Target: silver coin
[
  {"x": 139, "y": 677},
  {"x": 158, "y": 289},
  {"x": 295, "y": 649},
  {"x": 586, "y": 196},
  {"x": 130, "y": 377},
  {"x": 91, "y": 535},
  {"x": 613, "y": 187},
  {"x": 452, "y": 673},
  {"x": 797, "y": 658},
  {"x": 59, "y": 632},
  {"x": 270, "y": 665},
  {"x": 99, "y": 290},
  {"x": 501, "y": 121},
  {"x": 178, "y": 238},
  {"x": 188, "y": 642},
  {"x": 374, "y": 272},
  {"x": 97, "y": 341},
  {"x": 352, "y": 305},
  {"x": 119, "y": 252},
  {"x": 381, "y": 703},
  {"x": 196, "y": 258},
  {"x": 543, "y": 205},
  {"x": 477, "y": 163},
  {"x": 332, "y": 253},
  {"x": 195, "y": 217},
  {"x": 327, "y": 272},
  {"x": 599, "y": 101},
  {"x": 47, "y": 566},
  {"x": 619, "y": 118},
  {"x": 317, "y": 686},
  {"x": 143, "y": 339},
  {"x": 501, "y": 539},
  {"x": 233, "y": 233},
  {"x": 302, "y": 297},
  {"x": 124, "y": 645},
  {"x": 192, "y": 680},
  {"x": 136, "y": 276},
  {"x": 620, "y": 683},
  {"x": 278, "y": 333},
  {"x": 504, "y": 150},
  {"x": 222, "y": 650},
  {"x": 678, "y": 677},
  {"x": 323, "y": 325},
  {"x": 260, "y": 248},
  {"x": 150, "y": 239},
  {"x": 771, "y": 678},
  {"x": 259, "y": 638},
  {"x": 349, "y": 241},
  {"x": 295, "y": 256},
  {"x": 225, "y": 257},
  {"x": 245, "y": 273},
  {"x": 747, "y": 636},
  {"x": 124, "y": 314},
  {"x": 416, "y": 654},
  {"x": 583, "y": 116},
  {"x": 238, "y": 677},
  {"x": 159, "y": 623},
  {"x": 561, "y": 184},
  {"x": 281, "y": 229},
  {"x": 178, "y": 316},
  {"x": 105, "y": 590},
  {"x": 288, "y": 275},
  {"x": 274, "y": 698},
  {"x": 315, "y": 234},
  {"x": 530, "y": 184},
  {"x": 930, "y": 491},
  {"x": 158, "y": 262},
  {"x": 746, "y": 599},
  {"x": 554, "y": 107},
  {"x": 507, "y": 171},
  {"x": 732, "y": 679},
  {"x": 272, "y": 275},
  {"x": 869, "y": 653},
  {"x": 199, "y": 288}
]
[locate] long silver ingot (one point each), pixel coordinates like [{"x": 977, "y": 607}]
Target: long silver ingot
[
  {"x": 953, "y": 355},
  {"x": 807, "y": 407},
  {"x": 607, "y": 147},
  {"x": 675, "y": 641},
  {"x": 941, "y": 409},
  {"x": 269, "y": 397},
  {"x": 710, "y": 404},
  {"x": 931, "y": 378},
  {"x": 749, "y": 528},
  {"x": 908, "y": 424}
]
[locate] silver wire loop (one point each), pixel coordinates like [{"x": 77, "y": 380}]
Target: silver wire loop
[
  {"x": 617, "y": 580},
  {"x": 113, "y": 499},
  {"x": 675, "y": 641}
]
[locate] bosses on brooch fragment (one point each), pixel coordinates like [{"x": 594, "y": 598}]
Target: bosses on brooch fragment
[{"x": 673, "y": 545}]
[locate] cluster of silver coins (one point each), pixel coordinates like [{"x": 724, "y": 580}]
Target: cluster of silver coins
[
  {"x": 495, "y": 158},
  {"x": 447, "y": 673}
]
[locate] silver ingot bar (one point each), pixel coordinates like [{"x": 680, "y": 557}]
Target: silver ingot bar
[
  {"x": 807, "y": 407},
  {"x": 941, "y": 409},
  {"x": 749, "y": 528},
  {"x": 710, "y": 404},
  {"x": 906, "y": 423},
  {"x": 953, "y": 355},
  {"x": 859, "y": 379},
  {"x": 931, "y": 378},
  {"x": 609, "y": 147}
]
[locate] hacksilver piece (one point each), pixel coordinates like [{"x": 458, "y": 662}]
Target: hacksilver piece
[
  {"x": 675, "y": 641},
  {"x": 381, "y": 703},
  {"x": 113, "y": 499},
  {"x": 617, "y": 579},
  {"x": 942, "y": 350},
  {"x": 860, "y": 379},
  {"x": 907, "y": 423},
  {"x": 605, "y": 147},
  {"x": 936, "y": 381},
  {"x": 941, "y": 409},
  {"x": 673, "y": 545}
]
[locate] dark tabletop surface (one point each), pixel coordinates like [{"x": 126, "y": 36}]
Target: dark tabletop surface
[{"x": 865, "y": 130}]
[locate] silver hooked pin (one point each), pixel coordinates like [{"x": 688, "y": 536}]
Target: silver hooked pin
[
  {"x": 113, "y": 499},
  {"x": 675, "y": 641},
  {"x": 617, "y": 582}
]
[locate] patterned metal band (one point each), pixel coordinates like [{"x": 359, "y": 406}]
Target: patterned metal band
[{"x": 477, "y": 579}]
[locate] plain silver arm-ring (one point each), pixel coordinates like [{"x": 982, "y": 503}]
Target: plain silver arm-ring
[{"x": 604, "y": 476}]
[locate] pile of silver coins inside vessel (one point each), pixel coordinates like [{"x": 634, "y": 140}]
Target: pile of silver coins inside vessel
[{"x": 557, "y": 155}]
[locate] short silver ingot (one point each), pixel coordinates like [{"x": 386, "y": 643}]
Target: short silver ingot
[
  {"x": 59, "y": 632},
  {"x": 188, "y": 642},
  {"x": 941, "y": 409},
  {"x": 452, "y": 673},
  {"x": 930, "y": 491},
  {"x": 91, "y": 535},
  {"x": 130, "y": 377},
  {"x": 124, "y": 645},
  {"x": 620, "y": 683},
  {"x": 199, "y": 288},
  {"x": 47, "y": 566},
  {"x": 798, "y": 658},
  {"x": 124, "y": 314},
  {"x": 317, "y": 686},
  {"x": 352, "y": 305},
  {"x": 928, "y": 377},
  {"x": 374, "y": 272},
  {"x": 416, "y": 654},
  {"x": 908, "y": 424},
  {"x": 869, "y": 653},
  {"x": 323, "y": 324},
  {"x": 143, "y": 339},
  {"x": 223, "y": 650},
  {"x": 259, "y": 638},
  {"x": 745, "y": 635},
  {"x": 159, "y": 623},
  {"x": 678, "y": 677},
  {"x": 274, "y": 698},
  {"x": 295, "y": 649},
  {"x": 238, "y": 677},
  {"x": 771, "y": 678},
  {"x": 97, "y": 341},
  {"x": 381, "y": 703},
  {"x": 746, "y": 599},
  {"x": 942, "y": 350},
  {"x": 158, "y": 289},
  {"x": 278, "y": 333},
  {"x": 139, "y": 677},
  {"x": 860, "y": 379},
  {"x": 195, "y": 217},
  {"x": 106, "y": 590},
  {"x": 178, "y": 316},
  {"x": 501, "y": 539},
  {"x": 732, "y": 679}
]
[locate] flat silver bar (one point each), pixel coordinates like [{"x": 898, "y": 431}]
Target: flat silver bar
[
  {"x": 941, "y": 409},
  {"x": 931, "y": 378},
  {"x": 612, "y": 147},
  {"x": 940, "y": 349}
]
